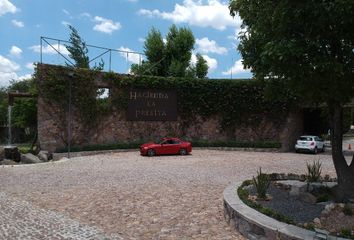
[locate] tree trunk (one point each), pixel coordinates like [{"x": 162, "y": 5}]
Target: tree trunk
[{"x": 345, "y": 172}]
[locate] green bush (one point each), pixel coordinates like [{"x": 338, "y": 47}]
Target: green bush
[
  {"x": 237, "y": 144},
  {"x": 346, "y": 233},
  {"x": 102, "y": 147},
  {"x": 347, "y": 210},
  {"x": 314, "y": 171},
  {"x": 261, "y": 182},
  {"x": 323, "y": 198}
]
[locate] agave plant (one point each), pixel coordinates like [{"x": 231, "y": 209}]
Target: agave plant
[{"x": 261, "y": 182}]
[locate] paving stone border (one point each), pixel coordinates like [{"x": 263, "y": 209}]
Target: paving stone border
[{"x": 255, "y": 225}]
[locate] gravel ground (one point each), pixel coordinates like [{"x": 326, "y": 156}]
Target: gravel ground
[
  {"x": 292, "y": 207},
  {"x": 125, "y": 195}
]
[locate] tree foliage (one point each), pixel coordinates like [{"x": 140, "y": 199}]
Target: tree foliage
[
  {"x": 77, "y": 49},
  {"x": 170, "y": 58},
  {"x": 24, "y": 114},
  {"x": 24, "y": 110},
  {"x": 308, "y": 45},
  {"x": 201, "y": 67}
]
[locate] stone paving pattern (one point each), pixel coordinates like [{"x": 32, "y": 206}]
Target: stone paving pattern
[{"x": 127, "y": 196}]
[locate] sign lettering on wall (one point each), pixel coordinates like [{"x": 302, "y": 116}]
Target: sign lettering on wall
[{"x": 152, "y": 105}]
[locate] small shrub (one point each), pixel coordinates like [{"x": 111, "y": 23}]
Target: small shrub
[
  {"x": 323, "y": 198},
  {"x": 347, "y": 210},
  {"x": 261, "y": 182},
  {"x": 346, "y": 233},
  {"x": 314, "y": 171}
]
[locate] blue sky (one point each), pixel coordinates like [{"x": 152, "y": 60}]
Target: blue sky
[{"x": 115, "y": 24}]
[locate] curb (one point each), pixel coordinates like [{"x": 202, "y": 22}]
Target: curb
[{"x": 255, "y": 225}]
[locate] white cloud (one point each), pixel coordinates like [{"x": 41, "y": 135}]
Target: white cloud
[
  {"x": 141, "y": 40},
  {"x": 49, "y": 49},
  {"x": 237, "y": 68},
  {"x": 23, "y": 77},
  {"x": 84, "y": 15},
  {"x": 30, "y": 66},
  {"x": 205, "y": 45},
  {"x": 212, "y": 62},
  {"x": 66, "y": 12},
  {"x": 15, "y": 51},
  {"x": 8, "y": 70},
  {"x": 132, "y": 57},
  {"x": 8, "y": 66},
  {"x": 105, "y": 25},
  {"x": 210, "y": 13},
  {"x": 18, "y": 24},
  {"x": 65, "y": 23},
  {"x": 7, "y": 7}
]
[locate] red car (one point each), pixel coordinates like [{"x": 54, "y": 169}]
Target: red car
[{"x": 166, "y": 146}]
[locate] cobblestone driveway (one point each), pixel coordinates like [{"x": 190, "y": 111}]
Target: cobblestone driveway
[{"x": 126, "y": 196}]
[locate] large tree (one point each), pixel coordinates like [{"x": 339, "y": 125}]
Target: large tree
[
  {"x": 169, "y": 58},
  {"x": 309, "y": 45}
]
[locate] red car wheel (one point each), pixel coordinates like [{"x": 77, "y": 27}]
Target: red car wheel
[
  {"x": 151, "y": 152},
  {"x": 183, "y": 151}
]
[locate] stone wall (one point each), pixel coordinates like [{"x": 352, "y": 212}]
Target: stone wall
[
  {"x": 52, "y": 131},
  {"x": 114, "y": 128}
]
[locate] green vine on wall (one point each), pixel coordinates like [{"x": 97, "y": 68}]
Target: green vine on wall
[{"x": 234, "y": 101}]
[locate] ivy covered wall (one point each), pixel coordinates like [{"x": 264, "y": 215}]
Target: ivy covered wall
[{"x": 208, "y": 110}]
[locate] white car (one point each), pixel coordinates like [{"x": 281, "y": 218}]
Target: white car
[{"x": 310, "y": 143}]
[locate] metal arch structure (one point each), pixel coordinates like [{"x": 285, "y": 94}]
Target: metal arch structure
[{"x": 103, "y": 49}]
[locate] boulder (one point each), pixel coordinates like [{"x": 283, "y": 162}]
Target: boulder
[
  {"x": 43, "y": 156},
  {"x": 12, "y": 153},
  {"x": 307, "y": 197},
  {"x": 29, "y": 158}
]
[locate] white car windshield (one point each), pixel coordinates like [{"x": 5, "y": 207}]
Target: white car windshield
[{"x": 305, "y": 138}]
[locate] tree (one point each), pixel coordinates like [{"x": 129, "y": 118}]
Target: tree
[
  {"x": 201, "y": 67},
  {"x": 179, "y": 46},
  {"x": 170, "y": 58},
  {"x": 154, "y": 49},
  {"x": 309, "y": 46},
  {"x": 77, "y": 49},
  {"x": 24, "y": 114}
]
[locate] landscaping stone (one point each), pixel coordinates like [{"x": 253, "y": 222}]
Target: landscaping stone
[
  {"x": 307, "y": 197},
  {"x": 12, "y": 153},
  {"x": 43, "y": 156},
  {"x": 29, "y": 158}
]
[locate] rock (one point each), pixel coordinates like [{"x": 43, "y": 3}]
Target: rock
[
  {"x": 43, "y": 156},
  {"x": 317, "y": 222},
  {"x": 12, "y": 153},
  {"x": 2, "y": 153},
  {"x": 29, "y": 158},
  {"x": 330, "y": 207},
  {"x": 341, "y": 205},
  {"x": 307, "y": 197},
  {"x": 8, "y": 162}
]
